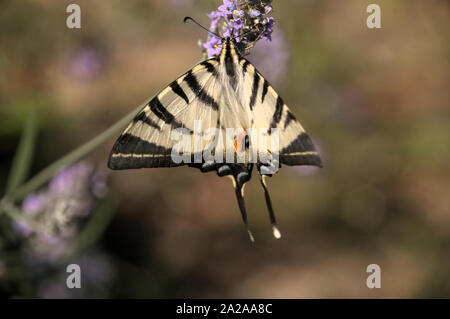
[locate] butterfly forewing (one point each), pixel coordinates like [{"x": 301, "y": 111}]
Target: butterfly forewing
[{"x": 147, "y": 141}]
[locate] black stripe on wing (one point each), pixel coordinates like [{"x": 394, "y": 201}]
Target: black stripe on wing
[
  {"x": 300, "y": 151},
  {"x": 254, "y": 90},
  {"x": 276, "y": 117},
  {"x": 176, "y": 88},
  {"x": 199, "y": 91},
  {"x": 142, "y": 117},
  {"x": 289, "y": 118},
  {"x": 245, "y": 65},
  {"x": 265, "y": 89},
  {"x": 160, "y": 111},
  {"x": 131, "y": 151},
  {"x": 210, "y": 67}
]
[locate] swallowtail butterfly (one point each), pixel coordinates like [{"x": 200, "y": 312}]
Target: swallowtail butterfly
[{"x": 222, "y": 92}]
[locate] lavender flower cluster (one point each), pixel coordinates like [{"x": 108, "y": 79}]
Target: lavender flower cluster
[
  {"x": 52, "y": 216},
  {"x": 245, "y": 21}
]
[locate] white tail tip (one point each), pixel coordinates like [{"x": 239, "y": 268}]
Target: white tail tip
[
  {"x": 276, "y": 232},
  {"x": 251, "y": 236}
]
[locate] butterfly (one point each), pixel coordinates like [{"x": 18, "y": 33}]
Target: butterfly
[{"x": 223, "y": 92}]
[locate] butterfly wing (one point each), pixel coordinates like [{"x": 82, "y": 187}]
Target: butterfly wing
[
  {"x": 269, "y": 111},
  {"x": 148, "y": 140},
  {"x": 217, "y": 96}
]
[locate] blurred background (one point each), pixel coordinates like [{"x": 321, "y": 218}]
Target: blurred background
[{"x": 375, "y": 101}]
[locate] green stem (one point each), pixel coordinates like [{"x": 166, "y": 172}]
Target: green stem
[
  {"x": 72, "y": 157},
  {"x": 47, "y": 173},
  {"x": 16, "y": 214}
]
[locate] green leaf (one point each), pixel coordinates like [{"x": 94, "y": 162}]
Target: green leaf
[{"x": 21, "y": 164}]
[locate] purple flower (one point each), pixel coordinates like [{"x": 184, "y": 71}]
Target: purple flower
[
  {"x": 33, "y": 204},
  {"x": 238, "y": 13},
  {"x": 228, "y": 32},
  {"x": 255, "y": 13},
  {"x": 22, "y": 228},
  {"x": 268, "y": 24},
  {"x": 227, "y": 7},
  {"x": 215, "y": 15},
  {"x": 237, "y": 24},
  {"x": 52, "y": 216},
  {"x": 244, "y": 21},
  {"x": 213, "y": 46},
  {"x": 70, "y": 179},
  {"x": 87, "y": 63}
]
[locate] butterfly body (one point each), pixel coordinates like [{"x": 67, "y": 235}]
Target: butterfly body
[{"x": 222, "y": 93}]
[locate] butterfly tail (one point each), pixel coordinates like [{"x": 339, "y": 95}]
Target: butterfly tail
[
  {"x": 239, "y": 174},
  {"x": 276, "y": 231},
  {"x": 239, "y": 190}
]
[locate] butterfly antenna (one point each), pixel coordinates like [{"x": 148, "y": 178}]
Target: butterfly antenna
[
  {"x": 239, "y": 189},
  {"x": 206, "y": 29},
  {"x": 276, "y": 231}
]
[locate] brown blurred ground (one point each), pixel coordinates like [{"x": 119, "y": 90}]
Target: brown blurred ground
[{"x": 376, "y": 102}]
